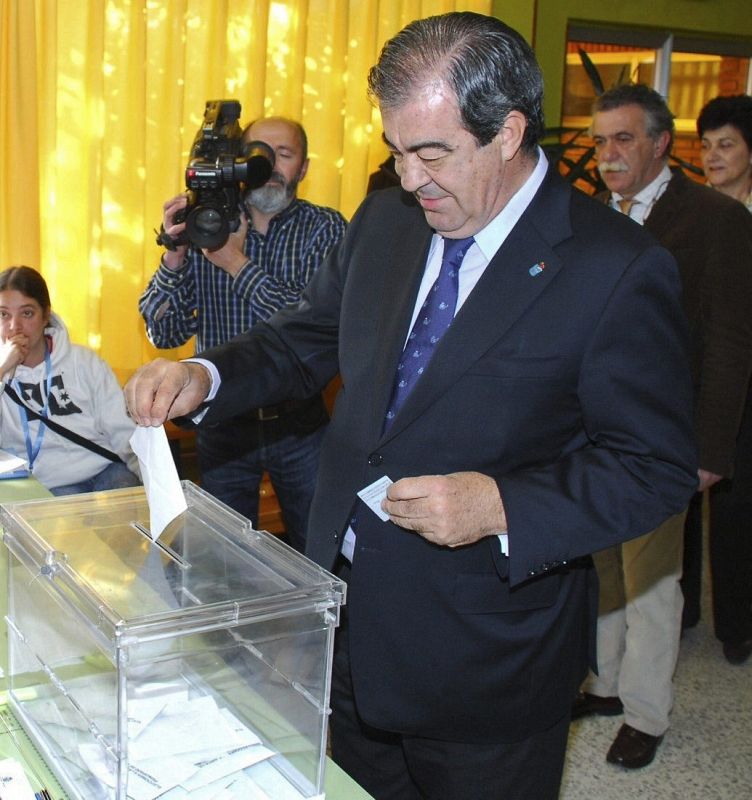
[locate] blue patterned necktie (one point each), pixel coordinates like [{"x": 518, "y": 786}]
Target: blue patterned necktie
[{"x": 435, "y": 316}]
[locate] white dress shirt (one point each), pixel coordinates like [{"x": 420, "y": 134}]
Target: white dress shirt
[
  {"x": 487, "y": 242},
  {"x": 645, "y": 199}
]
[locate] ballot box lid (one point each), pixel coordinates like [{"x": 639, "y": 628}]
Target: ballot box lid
[{"x": 208, "y": 569}]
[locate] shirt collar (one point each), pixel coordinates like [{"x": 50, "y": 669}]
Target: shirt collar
[
  {"x": 286, "y": 212},
  {"x": 490, "y": 238},
  {"x": 649, "y": 194}
]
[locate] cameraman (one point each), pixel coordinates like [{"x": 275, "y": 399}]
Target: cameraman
[{"x": 217, "y": 294}]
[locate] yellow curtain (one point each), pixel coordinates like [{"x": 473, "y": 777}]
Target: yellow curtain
[{"x": 99, "y": 104}]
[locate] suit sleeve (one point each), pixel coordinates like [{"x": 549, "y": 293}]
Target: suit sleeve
[
  {"x": 639, "y": 464},
  {"x": 292, "y": 356}
]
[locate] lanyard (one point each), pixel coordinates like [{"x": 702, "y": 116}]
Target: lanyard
[{"x": 32, "y": 451}]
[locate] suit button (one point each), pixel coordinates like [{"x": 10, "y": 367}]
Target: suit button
[
  {"x": 375, "y": 460},
  {"x": 336, "y": 536}
]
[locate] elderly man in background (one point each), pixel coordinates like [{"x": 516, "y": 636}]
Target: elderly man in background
[{"x": 639, "y": 625}]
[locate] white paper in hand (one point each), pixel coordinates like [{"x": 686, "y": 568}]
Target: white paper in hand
[{"x": 163, "y": 490}]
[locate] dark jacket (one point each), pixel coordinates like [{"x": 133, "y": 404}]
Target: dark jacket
[
  {"x": 564, "y": 376},
  {"x": 710, "y": 236}
]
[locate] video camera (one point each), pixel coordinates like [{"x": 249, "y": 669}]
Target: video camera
[{"x": 220, "y": 169}]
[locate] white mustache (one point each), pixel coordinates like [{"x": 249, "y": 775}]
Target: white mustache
[
  {"x": 423, "y": 194},
  {"x": 612, "y": 166}
]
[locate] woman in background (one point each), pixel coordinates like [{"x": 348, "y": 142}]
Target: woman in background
[
  {"x": 65, "y": 383},
  {"x": 725, "y": 129}
]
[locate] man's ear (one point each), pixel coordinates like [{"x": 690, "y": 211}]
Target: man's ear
[
  {"x": 304, "y": 169},
  {"x": 512, "y": 133},
  {"x": 662, "y": 142}
]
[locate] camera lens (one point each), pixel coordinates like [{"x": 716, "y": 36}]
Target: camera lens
[
  {"x": 255, "y": 167},
  {"x": 207, "y": 227}
]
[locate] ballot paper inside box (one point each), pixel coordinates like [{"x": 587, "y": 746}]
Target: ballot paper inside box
[{"x": 197, "y": 665}]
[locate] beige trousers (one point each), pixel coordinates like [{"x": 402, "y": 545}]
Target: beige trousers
[{"x": 639, "y": 625}]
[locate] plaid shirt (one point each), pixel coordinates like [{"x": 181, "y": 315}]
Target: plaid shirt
[{"x": 203, "y": 300}]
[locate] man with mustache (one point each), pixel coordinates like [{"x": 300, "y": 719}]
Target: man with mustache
[
  {"x": 218, "y": 294},
  {"x": 711, "y": 238}
]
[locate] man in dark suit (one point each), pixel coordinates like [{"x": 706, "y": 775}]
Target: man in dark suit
[
  {"x": 711, "y": 238},
  {"x": 552, "y": 420}
]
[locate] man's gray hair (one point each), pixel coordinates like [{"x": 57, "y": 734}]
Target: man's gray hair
[
  {"x": 658, "y": 117},
  {"x": 489, "y": 66}
]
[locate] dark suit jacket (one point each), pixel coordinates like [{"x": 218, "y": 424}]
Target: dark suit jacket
[
  {"x": 710, "y": 236},
  {"x": 568, "y": 384}
]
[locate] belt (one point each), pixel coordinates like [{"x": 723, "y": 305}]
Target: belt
[{"x": 268, "y": 413}]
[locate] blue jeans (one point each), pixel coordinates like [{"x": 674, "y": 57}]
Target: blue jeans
[
  {"x": 233, "y": 456},
  {"x": 114, "y": 476}
]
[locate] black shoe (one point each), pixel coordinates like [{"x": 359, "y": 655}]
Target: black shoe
[
  {"x": 737, "y": 652},
  {"x": 689, "y": 620},
  {"x": 632, "y": 748},
  {"x": 586, "y": 705}
]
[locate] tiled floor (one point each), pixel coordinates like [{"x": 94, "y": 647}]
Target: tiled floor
[{"x": 705, "y": 755}]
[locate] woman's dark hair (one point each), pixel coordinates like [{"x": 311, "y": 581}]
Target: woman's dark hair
[
  {"x": 27, "y": 281},
  {"x": 733, "y": 110}
]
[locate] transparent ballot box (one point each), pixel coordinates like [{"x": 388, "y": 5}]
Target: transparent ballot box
[{"x": 194, "y": 666}]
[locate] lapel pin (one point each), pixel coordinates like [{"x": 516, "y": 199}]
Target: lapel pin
[{"x": 536, "y": 269}]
